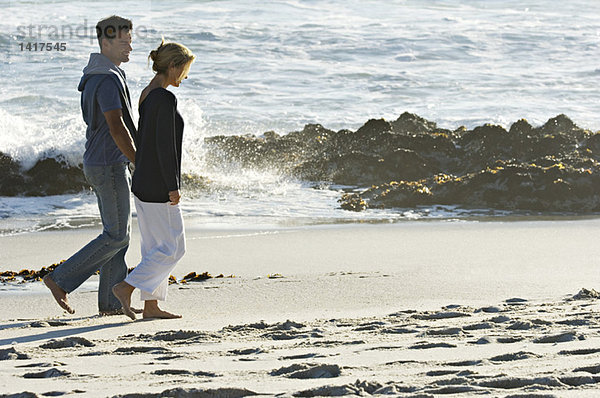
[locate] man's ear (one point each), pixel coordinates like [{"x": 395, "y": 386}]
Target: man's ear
[{"x": 106, "y": 42}]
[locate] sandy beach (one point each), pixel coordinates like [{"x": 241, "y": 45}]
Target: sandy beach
[{"x": 409, "y": 309}]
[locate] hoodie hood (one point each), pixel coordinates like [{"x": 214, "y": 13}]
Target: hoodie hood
[{"x": 99, "y": 64}]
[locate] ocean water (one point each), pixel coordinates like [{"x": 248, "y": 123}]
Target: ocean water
[{"x": 278, "y": 65}]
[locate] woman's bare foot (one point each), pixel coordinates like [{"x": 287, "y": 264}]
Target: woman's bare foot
[
  {"x": 59, "y": 294},
  {"x": 122, "y": 291},
  {"x": 151, "y": 310}
]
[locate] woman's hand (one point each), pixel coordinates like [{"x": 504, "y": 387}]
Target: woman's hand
[{"x": 174, "y": 197}]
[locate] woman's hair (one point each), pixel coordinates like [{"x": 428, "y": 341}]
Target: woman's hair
[{"x": 168, "y": 54}]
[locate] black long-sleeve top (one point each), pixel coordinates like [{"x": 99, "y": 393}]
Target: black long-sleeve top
[{"x": 158, "y": 155}]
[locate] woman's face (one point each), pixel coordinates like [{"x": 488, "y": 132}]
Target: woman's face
[{"x": 177, "y": 74}]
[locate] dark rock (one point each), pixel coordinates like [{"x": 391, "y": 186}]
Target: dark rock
[
  {"x": 374, "y": 127},
  {"x": 559, "y": 124},
  {"x": 407, "y": 162},
  {"x": 508, "y": 185},
  {"x": 52, "y": 176},
  {"x": 521, "y": 127},
  {"x": 411, "y": 162},
  {"x": 49, "y": 176},
  {"x": 409, "y": 123},
  {"x": 11, "y": 179}
]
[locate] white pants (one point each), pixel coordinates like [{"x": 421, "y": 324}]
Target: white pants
[{"x": 163, "y": 245}]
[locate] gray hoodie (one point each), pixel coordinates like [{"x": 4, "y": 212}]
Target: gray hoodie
[{"x": 100, "y": 148}]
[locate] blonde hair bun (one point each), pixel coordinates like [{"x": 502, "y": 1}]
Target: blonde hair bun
[{"x": 168, "y": 54}]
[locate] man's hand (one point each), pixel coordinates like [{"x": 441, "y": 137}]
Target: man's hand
[
  {"x": 174, "y": 197},
  {"x": 120, "y": 134}
]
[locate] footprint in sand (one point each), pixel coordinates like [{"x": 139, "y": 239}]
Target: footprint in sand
[
  {"x": 521, "y": 325},
  {"x": 398, "y": 330},
  {"x": 169, "y": 357},
  {"x": 427, "y": 346},
  {"x": 178, "y": 335},
  {"x": 517, "y": 356},
  {"x": 45, "y": 324},
  {"x": 481, "y": 341},
  {"x": 41, "y": 365},
  {"x": 453, "y": 390},
  {"x": 440, "y": 315},
  {"x": 358, "y": 388},
  {"x": 489, "y": 310},
  {"x": 575, "y": 322},
  {"x": 518, "y": 382},
  {"x": 558, "y": 338},
  {"x": 516, "y": 301},
  {"x": 302, "y": 356},
  {"x": 69, "y": 342},
  {"x": 289, "y": 335},
  {"x": 589, "y": 369},
  {"x": 93, "y": 354},
  {"x": 370, "y": 326},
  {"x": 142, "y": 350},
  {"x": 509, "y": 339},
  {"x": 500, "y": 319},
  {"x": 194, "y": 392},
  {"x": 583, "y": 351},
  {"x": 183, "y": 372},
  {"x": 253, "y": 327},
  {"x": 464, "y": 363},
  {"x": 445, "y": 332},
  {"x": 308, "y": 371},
  {"x": 576, "y": 381},
  {"x": 50, "y": 373},
  {"x": 436, "y": 373},
  {"x": 11, "y": 353},
  {"x": 478, "y": 326},
  {"x": 247, "y": 351}
]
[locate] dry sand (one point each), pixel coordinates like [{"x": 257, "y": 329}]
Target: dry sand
[{"x": 413, "y": 309}]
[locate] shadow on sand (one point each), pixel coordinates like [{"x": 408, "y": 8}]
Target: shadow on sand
[{"x": 62, "y": 332}]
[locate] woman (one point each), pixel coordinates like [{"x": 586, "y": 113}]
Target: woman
[{"x": 156, "y": 183}]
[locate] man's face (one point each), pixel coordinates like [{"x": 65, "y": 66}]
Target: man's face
[{"x": 118, "y": 49}]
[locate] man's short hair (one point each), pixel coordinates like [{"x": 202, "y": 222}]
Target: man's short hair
[{"x": 111, "y": 27}]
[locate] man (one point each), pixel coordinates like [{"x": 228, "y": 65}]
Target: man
[{"x": 106, "y": 108}]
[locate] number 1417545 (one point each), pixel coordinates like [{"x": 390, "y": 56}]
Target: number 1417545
[{"x": 43, "y": 46}]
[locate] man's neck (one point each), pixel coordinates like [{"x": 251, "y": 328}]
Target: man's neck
[{"x": 114, "y": 61}]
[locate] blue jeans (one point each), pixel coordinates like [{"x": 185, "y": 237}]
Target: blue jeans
[{"x": 106, "y": 253}]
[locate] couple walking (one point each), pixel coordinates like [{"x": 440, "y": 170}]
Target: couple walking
[{"x": 112, "y": 143}]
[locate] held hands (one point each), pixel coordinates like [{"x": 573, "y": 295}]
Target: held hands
[{"x": 174, "y": 197}]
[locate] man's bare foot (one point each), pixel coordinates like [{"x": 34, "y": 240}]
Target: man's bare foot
[
  {"x": 59, "y": 294},
  {"x": 122, "y": 291},
  {"x": 151, "y": 310}
]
